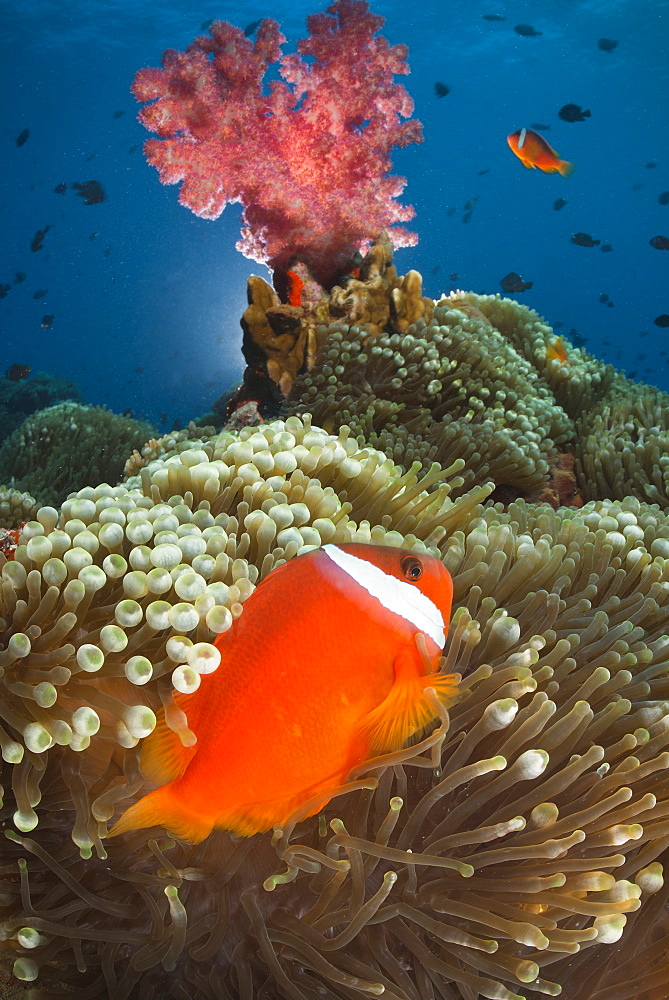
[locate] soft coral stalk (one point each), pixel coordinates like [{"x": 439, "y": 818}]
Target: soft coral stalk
[{"x": 309, "y": 159}]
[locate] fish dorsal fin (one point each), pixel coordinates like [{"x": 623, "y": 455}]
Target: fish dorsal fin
[
  {"x": 164, "y": 757},
  {"x": 406, "y": 710}
]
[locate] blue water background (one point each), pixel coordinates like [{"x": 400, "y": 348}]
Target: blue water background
[{"x": 146, "y": 297}]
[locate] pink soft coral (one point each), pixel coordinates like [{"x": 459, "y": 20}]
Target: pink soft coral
[{"x": 310, "y": 159}]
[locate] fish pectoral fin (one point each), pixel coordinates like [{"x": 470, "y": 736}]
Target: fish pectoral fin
[
  {"x": 406, "y": 710},
  {"x": 163, "y": 757},
  {"x": 164, "y": 807}
]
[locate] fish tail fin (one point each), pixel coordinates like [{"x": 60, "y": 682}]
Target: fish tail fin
[
  {"x": 406, "y": 710},
  {"x": 566, "y": 168},
  {"x": 164, "y": 807}
]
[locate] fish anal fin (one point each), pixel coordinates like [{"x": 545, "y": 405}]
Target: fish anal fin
[
  {"x": 164, "y": 758},
  {"x": 165, "y": 807},
  {"x": 406, "y": 710}
]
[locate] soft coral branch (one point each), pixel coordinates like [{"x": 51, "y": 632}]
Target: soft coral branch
[{"x": 309, "y": 159}]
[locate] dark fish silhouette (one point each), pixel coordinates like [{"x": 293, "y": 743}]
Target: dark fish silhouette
[
  {"x": 584, "y": 240},
  {"x": 513, "y": 282},
  {"x": 664, "y": 198},
  {"x": 441, "y": 89},
  {"x": 17, "y": 372},
  {"x": 559, "y": 203},
  {"x": 607, "y": 44},
  {"x": 4, "y": 289},
  {"x": 23, "y": 137},
  {"x": 540, "y": 127},
  {"x": 60, "y": 188},
  {"x": 91, "y": 191},
  {"x": 573, "y": 113},
  {"x": 19, "y": 277},
  {"x": 651, "y": 165},
  {"x": 40, "y": 293},
  {"x": 661, "y": 320},
  {"x": 606, "y": 248},
  {"x": 660, "y": 242},
  {"x": 527, "y": 31},
  {"x": 603, "y": 297},
  {"x": 47, "y": 321},
  {"x": 133, "y": 148},
  {"x": 37, "y": 242},
  {"x": 494, "y": 17},
  {"x": 118, "y": 114},
  {"x": 207, "y": 24},
  {"x": 251, "y": 28}
]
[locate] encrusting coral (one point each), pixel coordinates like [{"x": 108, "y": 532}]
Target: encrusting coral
[
  {"x": 515, "y": 853},
  {"x": 66, "y": 446}
]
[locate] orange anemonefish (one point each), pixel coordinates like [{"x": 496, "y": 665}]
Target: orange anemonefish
[
  {"x": 533, "y": 151},
  {"x": 556, "y": 351},
  {"x": 321, "y": 671}
]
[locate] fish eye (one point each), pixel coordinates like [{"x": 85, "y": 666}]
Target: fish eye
[{"x": 412, "y": 568}]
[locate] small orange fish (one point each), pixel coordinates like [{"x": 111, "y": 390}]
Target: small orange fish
[
  {"x": 533, "y": 151},
  {"x": 557, "y": 351},
  {"x": 320, "y": 672},
  {"x": 9, "y": 540},
  {"x": 295, "y": 286}
]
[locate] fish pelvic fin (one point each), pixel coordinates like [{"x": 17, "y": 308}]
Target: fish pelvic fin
[
  {"x": 565, "y": 168},
  {"x": 406, "y": 710},
  {"x": 164, "y": 807},
  {"x": 163, "y": 756}
]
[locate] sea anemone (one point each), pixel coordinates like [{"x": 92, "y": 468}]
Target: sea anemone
[{"x": 515, "y": 850}]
